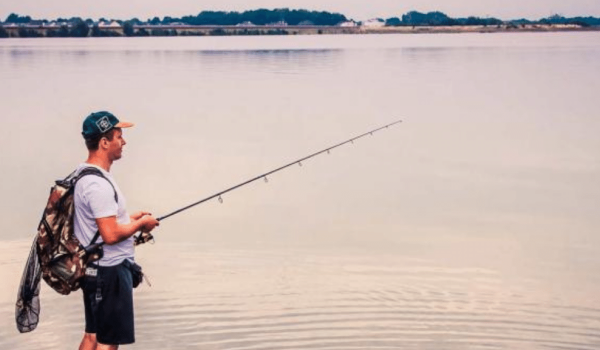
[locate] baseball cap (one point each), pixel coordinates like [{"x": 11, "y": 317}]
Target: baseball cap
[{"x": 98, "y": 123}]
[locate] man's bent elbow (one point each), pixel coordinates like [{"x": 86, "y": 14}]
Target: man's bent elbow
[{"x": 113, "y": 239}]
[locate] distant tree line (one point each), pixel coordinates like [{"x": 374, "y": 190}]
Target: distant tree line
[
  {"x": 298, "y": 17},
  {"x": 260, "y": 17},
  {"x": 78, "y": 27},
  {"x": 414, "y": 18},
  {"x": 257, "y": 17},
  {"x": 556, "y": 19},
  {"x": 14, "y": 18}
]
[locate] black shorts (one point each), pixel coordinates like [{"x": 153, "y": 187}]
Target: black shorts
[{"x": 108, "y": 302}]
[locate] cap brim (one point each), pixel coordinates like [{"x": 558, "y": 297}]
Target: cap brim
[{"x": 124, "y": 125}]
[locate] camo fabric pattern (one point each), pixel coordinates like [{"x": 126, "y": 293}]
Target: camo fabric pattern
[{"x": 62, "y": 258}]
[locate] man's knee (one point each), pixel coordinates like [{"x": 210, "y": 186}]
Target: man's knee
[
  {"x": 88, "y": 342},
  {"x": 106, "y": 347}
]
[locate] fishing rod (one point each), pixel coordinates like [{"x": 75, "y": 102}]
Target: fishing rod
[
  {"x": 265, "y": 175},
  {"x": 144, "y": 236}
]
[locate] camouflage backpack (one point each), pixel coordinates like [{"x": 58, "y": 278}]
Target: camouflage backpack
[
  {"x": 62, "y": 258},
  {"x": 56, "y": 254}
]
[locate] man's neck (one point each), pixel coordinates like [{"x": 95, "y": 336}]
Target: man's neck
[{"x": 99, "y": 161}]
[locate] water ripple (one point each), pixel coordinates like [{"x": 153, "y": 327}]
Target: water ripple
[{"x": 278, "y": 301}]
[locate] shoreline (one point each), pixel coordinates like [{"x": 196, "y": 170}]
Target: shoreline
[
  {"x": 482, "y": 29},
  {"x": 188, "y": 30}
]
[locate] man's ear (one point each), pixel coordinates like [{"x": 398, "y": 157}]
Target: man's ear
[{"x": 103, "y": 143}]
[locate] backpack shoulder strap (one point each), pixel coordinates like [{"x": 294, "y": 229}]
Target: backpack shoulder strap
[
  {"x": 93, "y": 171},
  {"x": 97, "y": 172}
]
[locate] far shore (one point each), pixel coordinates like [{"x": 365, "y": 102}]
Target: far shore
[
  {"x": 189, "y": 30},
  {"x": 483, "y": 29}
]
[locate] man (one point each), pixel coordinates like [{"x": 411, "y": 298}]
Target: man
[{"x": 100, "y": 207}]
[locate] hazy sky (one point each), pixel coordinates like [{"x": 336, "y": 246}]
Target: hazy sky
[{"x": 357, "y": 9}]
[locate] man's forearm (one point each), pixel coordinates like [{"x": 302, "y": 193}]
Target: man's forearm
[{"x": 113, "y": 232}]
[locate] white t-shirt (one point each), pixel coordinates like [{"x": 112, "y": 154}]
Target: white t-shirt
[{"x": 94, "y": 199}]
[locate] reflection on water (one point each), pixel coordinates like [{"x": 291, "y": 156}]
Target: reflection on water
[
  {"x": 472, "y": 225},
  {"x": 289, "y": 299}
]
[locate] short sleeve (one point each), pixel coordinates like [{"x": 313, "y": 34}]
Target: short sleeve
[{"x": 100, "y": 196}]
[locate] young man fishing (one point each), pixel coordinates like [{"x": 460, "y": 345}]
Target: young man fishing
[{"x": 100, "y": 207}]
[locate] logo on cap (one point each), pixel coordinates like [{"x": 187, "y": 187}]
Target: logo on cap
[{"x": 104, "y": 124}]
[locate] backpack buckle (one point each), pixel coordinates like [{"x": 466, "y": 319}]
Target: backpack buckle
[{"x": 90, "y": 271}]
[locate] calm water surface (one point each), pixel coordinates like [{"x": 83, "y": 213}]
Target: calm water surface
[{"x": 472, "y": 225}]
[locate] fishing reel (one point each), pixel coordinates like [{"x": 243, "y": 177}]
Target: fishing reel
[{"x": 143, "y": 237}]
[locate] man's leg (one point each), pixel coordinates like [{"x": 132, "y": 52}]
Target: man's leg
[
  {"x": 88, "y": 342},
  {"x": 114, "y": 315},
  {"x": 107, "y": 347}
]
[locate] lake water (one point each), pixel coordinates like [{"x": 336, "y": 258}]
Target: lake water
[{"x": 471, "y": 225}]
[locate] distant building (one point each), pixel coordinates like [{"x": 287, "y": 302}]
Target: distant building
[
  {"x": 113, "y": 24},
  {"x": 54, "y": 24},
  {"x": 246, "y": 24},
  {"x": 374, "y": 23},
  {"x": 278, "y": 24},
  {"x": 306, "y": 23},
  {"x": 566, "y": 26},
  {"x": 348, "y": 24}
]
